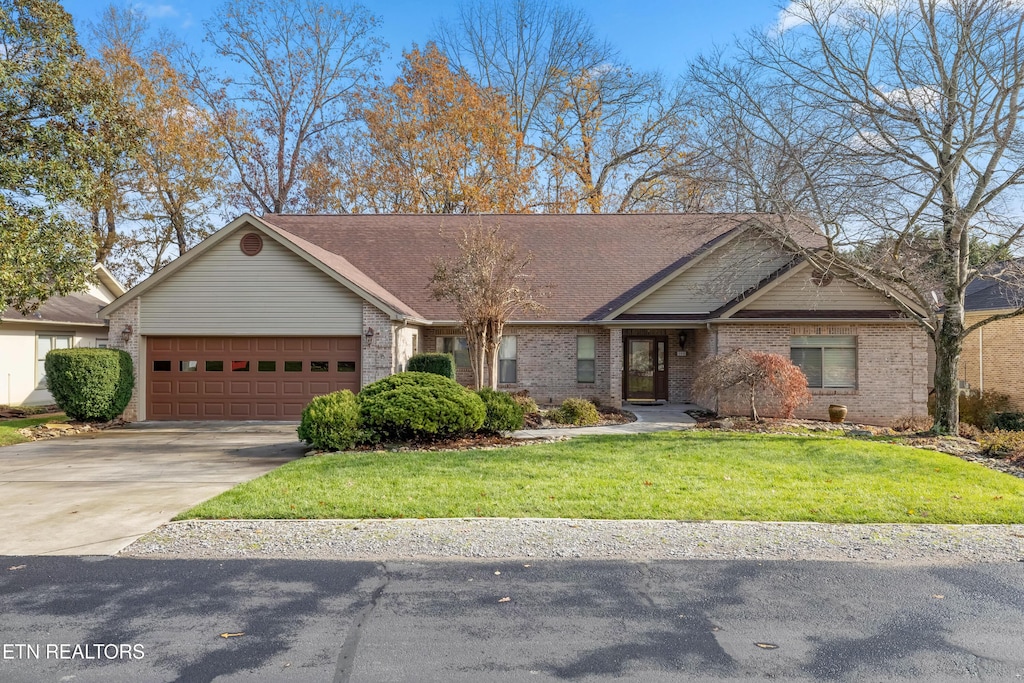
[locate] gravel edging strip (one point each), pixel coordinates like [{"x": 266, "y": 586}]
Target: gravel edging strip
[{"x": 499, "y": 538}]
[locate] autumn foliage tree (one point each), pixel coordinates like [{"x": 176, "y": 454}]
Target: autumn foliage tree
[
  {"x": 438, "y": 142},
  {"x": 755, "y": 378},
  {"x": 488, "y": 282}
]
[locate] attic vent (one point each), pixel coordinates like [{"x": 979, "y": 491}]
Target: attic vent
[{"x": 251, "y": 244}]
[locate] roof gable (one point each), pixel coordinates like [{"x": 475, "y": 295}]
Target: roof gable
[{"x": 339, "y": 269}]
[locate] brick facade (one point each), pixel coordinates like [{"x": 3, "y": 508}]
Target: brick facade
[
  {"x": 377, "y": 357},
  {"x": 128, "y": 315},
  {"x": 991, "y": 357},
  {"x": 546, "y": 362},
  {"x": 892, "y": 367}
]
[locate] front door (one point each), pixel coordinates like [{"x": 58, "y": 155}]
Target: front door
[{"x": 646, "y": 374}]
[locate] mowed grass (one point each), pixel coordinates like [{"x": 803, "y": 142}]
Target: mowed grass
[
  {"x": 688, "y": 476},
  {"x": 9, "y": 428}
]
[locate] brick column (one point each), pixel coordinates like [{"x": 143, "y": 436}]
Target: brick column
[
  {"x": 377, "y": 353},
  {"x": 119, "y": 319},
  {"x": 615, "y": 367}
]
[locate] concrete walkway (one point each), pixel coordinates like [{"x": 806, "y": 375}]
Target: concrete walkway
[
  {"x": 93, "y": 494},
  {"x": 649, "y": 418}
]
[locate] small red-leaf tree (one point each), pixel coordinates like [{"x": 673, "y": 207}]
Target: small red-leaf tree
[{"x": 766, "y": 378}]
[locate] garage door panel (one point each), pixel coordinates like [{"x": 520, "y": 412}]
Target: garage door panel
[{"x": 244, "y": 378}]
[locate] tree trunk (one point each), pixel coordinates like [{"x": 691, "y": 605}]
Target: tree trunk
[
  {"x": 948, "y": 344},
  {"x": 753, "y": 404}
]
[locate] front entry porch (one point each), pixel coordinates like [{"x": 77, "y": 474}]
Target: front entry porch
[{"x": 660, "y": 364}]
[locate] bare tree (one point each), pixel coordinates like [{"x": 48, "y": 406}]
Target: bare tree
[
  {"x": 295, "y": 67},
  {"x": 600, "y": 136},
  {"x": 898, "y": 135},
  {"x": 488, "y": 282}
]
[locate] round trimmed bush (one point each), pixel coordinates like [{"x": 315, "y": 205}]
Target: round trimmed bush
[
  {"x": 331, "y": 422},
  {"x": 504, "y": 414},
  {"x": 90, "y": 384},
  {"x": 577, "y": 411},
  {"x": 419, "y": 405},
  {"x": 438, "y": 363}
]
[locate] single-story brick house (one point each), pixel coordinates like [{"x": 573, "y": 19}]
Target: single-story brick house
[
  {"x": 62, "y": 322},
  {"x": 270, "y": 311},
  {"x": 992, "y": 358}
]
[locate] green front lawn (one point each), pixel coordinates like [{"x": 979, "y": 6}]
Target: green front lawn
[
  {"x": 688, "y": 475},
  {"x": 9, "y": 428}
]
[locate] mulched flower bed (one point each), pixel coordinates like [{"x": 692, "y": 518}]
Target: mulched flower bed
[
  {"x": 964, "y": 449},
  {"x": 609, "y": 416}
]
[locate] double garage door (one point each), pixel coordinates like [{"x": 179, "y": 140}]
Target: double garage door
[{"x": 245, "y": 378}]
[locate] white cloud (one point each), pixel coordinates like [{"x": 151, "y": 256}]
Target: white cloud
[{"x": 157, "y": 11}]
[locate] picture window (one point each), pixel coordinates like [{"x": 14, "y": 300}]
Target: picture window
[{"x": 828, "y": 361}]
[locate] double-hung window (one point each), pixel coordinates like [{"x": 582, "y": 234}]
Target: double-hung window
[
  {"x": 585, "y": 359},
  {"x": 507, "y": 353},
  {"x": 44, "y": 344},
  {"x": 458, "y": 347},
  {"x": 829, "y": 361}
]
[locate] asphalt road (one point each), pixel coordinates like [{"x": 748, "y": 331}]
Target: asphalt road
[{"x": 506, "y": 621}]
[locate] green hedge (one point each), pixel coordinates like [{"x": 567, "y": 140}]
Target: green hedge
[
  {"x": 437, "y": 363},
  {"x": 504, "y": 413},
  {"x": 419, "y": 405},
  {"x": 331, "y": 422},
  {"x": 90, "y": 384}
]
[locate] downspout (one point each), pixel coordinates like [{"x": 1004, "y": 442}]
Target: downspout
[{"x": 395, "y": 345}]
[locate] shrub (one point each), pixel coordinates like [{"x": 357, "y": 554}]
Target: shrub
[
  {"x": 90, "y": 384},
  {"x": 576, "y": 411},
  {"x": 331, "y": 422},
  {"x": 912, "y": 424},
  {"x": 504, "y": 414},
  {"x": 1009, "y": 421},
  {"x": 977, "y": 408},
  {"x": 754, "y": 378},
  {"x": 419, "y": 405},
  {"x": 526, "y": 404},
  {"x": 968, "y": 431},
  {"x": 437, "y": 363},
  {"x": 1000, "y": 444}
]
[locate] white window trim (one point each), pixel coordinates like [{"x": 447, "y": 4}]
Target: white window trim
[{"x": 40, "y": 374}]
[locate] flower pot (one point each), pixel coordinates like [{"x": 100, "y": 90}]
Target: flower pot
[{"x": 836, "y": 413}]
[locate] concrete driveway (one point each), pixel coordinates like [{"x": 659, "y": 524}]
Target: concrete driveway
[{"x": 94, "y": 494}]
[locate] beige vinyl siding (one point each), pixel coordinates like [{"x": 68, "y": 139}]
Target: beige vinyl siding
[
  {"x": 799, "y": 293},
  {"x": 724, "y": 274},
  {"x": 225, "y": 292}
]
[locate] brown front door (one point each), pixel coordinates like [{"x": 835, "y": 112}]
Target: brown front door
[
  {"x": 245, "y": 378},
  {"x": 646, "y": 369}
]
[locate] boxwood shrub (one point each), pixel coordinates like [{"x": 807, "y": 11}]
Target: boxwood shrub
[
  {"x": 331, "y": 422},
  {"x": 504, "y": 414},
  {"x": 419, "y": 405},
  {"x": 90, "y": 384},
  {"x": 576, "y": 411},
  {"x": 437, "y": 363}
]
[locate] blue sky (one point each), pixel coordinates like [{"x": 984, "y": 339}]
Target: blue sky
[{"x": 651, "y": 34}]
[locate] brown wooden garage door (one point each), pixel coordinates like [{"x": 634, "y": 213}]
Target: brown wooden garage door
[{"x": 245, "y": 378}]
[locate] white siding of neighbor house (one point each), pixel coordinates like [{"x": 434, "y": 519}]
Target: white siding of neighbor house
[
  {"x": 228, "y": 293},
  {"x": 799, "y": 293},
  {"x": 716, "y": 279},
  {"x": 19, "y": 384}
]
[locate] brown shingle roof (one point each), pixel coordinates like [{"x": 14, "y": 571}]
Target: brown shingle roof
[{"x": 589, "y": 263}]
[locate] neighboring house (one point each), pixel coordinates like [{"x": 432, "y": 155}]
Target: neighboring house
[
  {"x": 268, "y": 312},
  {"x": 992, "y": 357},
  {"x": 60, "y": 323}
]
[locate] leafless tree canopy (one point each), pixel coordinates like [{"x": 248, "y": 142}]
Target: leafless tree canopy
[
  {"x": 892, "y": 123},
  {"x": 603, "y": 137},
  {"x": 298, "y": 64},
  {"x": 488, "y": 282}
]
